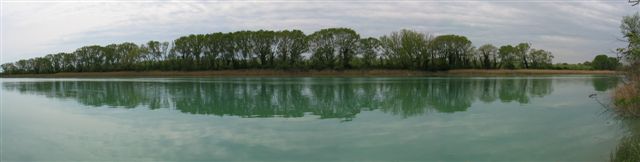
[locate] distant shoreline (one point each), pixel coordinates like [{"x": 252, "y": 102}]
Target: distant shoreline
[{"x": 257, "y": 72}]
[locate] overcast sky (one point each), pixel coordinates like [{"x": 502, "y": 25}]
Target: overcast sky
[{"x": 574, "y": 30}]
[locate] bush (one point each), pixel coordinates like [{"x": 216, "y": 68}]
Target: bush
[{"x": 566, "y": 66}]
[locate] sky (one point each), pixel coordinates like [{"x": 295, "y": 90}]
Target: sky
[{"x": 573, "y": 30}]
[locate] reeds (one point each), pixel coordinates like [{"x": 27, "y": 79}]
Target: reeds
[
  {"x": 628, "y": 150},
  {"x": 626, "y": 99}
]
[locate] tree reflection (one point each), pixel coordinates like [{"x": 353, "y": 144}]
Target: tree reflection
[
  {"x": 604, "y": 83},
  {"x": 342, "y": 98}
]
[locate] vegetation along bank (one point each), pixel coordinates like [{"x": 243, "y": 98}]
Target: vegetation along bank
[{"x": 327, "y": 49}]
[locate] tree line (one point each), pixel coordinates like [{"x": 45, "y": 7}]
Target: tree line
[
  {"x": 332, "y": 48},
  {"x": 604, "y": 62}
]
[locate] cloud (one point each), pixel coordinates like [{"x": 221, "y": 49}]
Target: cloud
[{"x": 574, "y": 30}]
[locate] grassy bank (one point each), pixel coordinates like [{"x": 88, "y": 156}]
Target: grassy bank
[
  {"x": 627, "y": 150},
  {"x": 626, "y": 98},
  {"x": 255, "y": 72}
]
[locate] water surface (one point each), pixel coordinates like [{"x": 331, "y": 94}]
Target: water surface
[{"x": 542, "y": 118}]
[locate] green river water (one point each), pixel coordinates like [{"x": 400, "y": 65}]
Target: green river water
[{"x": 541, "y": 118}]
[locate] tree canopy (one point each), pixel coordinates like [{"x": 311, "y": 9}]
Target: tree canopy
[
  {"x": 630, "y": 29},
  {"x": 604, "y": 62},
  {"x": 332, "y": 48}
]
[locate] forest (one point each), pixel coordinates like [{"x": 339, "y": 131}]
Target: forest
[{"x": 327, "y": 49}]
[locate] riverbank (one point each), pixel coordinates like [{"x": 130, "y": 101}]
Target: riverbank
[
  {"x": 626, "y": 100},
  {"x": 255, "y": 72}
]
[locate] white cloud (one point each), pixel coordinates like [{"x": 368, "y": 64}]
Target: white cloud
[{"x": 31, "y": 29}]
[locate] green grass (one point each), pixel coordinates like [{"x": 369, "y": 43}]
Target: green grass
[{"x": 628, "y": 150}]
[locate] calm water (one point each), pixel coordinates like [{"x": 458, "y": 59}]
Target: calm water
[{"x": 546, "y": 118}]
